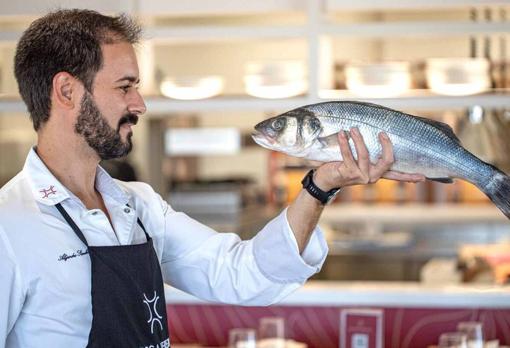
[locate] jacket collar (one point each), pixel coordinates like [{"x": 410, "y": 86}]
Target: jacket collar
[{"x": 49, "y": 191}]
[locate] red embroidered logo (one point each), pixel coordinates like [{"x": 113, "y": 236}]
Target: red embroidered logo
[{"x": 50, "y": 191}]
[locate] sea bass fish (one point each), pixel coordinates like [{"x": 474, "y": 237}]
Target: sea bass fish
[{"x": 420, "y": 145}]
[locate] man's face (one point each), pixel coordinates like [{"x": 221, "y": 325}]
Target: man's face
[{"x": 106, "y": 116}]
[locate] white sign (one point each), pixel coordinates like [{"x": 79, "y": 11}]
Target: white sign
[{"x": 202, "y": 141}]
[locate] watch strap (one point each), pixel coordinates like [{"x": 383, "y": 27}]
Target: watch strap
[{"x": 322, "y": 196}]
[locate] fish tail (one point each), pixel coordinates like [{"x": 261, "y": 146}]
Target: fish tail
[{"x": 498, "y": 190}]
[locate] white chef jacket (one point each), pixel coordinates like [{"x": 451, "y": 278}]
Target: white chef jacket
[{"x": 45, "y": 269}]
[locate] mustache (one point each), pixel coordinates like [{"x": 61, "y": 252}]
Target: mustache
[{"x": 128, "y": 118}]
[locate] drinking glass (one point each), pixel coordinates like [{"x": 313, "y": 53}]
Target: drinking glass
[
  {"x": 242, "y": 338},
  {"x": 452, "y": 340},
  {"x": 474, "y": 333},
  {"x": 271, "y": 332}
]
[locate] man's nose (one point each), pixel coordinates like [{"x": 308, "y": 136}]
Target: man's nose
[{"x": 136, "y": 104}]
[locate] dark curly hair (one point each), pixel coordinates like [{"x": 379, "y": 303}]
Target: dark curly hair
[{"x": 65, "y": 40}]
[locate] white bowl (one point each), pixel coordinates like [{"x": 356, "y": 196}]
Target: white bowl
[
  {"x": 192, "y": 87},
  {"x": 278, "y": 68},
  {"x": 259, "y": 87},
  {"x": 458, "y": 76},
  {"x": 387, "y": 79},
  {"x": 275, "y": 79}
]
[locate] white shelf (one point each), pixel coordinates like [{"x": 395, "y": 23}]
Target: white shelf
[
  {"x": 413, "y": 214},
  {"x": 381, "y": 5},
  {"x": 161, "y": 105},
  {"x": 425, "y": 102},
  {"x": 359, "y": 30},
  {"x": 9, "y": 37},
  {"x": 216, "y": 7},
  {"x": 402, "y": 29},
  {"x": 158, "y": 106},
  {"x": 12, "y": 105},
  {"x": 214, "y": 33},
  {"x": 41, "y": 7}
]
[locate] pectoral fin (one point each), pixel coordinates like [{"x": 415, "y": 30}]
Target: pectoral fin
[{"x": 442, "y": 180}]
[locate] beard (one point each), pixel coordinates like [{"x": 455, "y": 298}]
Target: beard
[{"x": 99, "y": 135}]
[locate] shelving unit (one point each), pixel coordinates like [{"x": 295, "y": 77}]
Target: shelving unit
[{"x": 317, "y": 30}]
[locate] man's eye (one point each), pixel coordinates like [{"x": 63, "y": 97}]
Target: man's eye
[{"x": 125, "y": 89}]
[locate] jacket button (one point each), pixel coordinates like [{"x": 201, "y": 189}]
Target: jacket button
[{"x": 126, "y": 210}]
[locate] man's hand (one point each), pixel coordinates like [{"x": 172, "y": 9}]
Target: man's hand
[{"x": 350, "y": 171}]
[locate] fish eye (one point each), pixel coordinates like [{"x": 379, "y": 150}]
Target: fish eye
[{"x": 278, "y": 124}]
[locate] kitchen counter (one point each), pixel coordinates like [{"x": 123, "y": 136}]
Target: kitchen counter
[
  {"x": 383, "y": 294},
  {"x": 414, "y": 314}
]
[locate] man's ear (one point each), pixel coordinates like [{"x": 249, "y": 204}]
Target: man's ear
[{"x": 65, "y": 90}]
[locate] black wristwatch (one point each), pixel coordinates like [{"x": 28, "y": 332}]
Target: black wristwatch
[{"x": 322, "y": 196}]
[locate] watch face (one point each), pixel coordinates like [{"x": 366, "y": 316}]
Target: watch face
[{"x": 333, "y": 195}]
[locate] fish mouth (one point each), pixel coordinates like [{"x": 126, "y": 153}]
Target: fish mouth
[{"x": 262, "y": 140}]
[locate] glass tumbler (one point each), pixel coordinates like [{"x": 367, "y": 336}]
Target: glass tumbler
[
  {"x": 271, "y": 332},
  {"x": 242, "y": 338},
  {"x": 453, "y": 340},
  {"x": 474, "y": 333}
]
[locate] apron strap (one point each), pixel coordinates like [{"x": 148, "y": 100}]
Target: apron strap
[
  {"x": 141, "y": 225},
  {"x": 79, "y": 233},
  {"x": 71, "y": 223},
  {"x": 143, "y": 228}
]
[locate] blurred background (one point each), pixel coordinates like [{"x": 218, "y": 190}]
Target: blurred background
[{"x": 211, "y": 70}]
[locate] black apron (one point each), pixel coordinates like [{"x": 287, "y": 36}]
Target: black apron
[{"x": 128, "y": 300}]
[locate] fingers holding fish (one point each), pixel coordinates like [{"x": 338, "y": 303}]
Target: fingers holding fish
[
  {"x": 360, "y": 171},
  {"x": 371, "y": 173},
  {"x": 385, "y": 162},
  {"x": 349, "y": 171},
  {"x": 345, "y": 148},
  {"x": 361, "y": 151}
]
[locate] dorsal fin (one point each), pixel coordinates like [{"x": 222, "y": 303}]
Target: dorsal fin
[{"x": 445, "y": 128}]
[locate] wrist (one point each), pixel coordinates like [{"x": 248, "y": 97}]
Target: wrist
[
  {"x": 323, "y": 196},
  {"x": 321, "y": 181}
]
